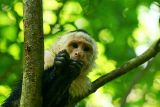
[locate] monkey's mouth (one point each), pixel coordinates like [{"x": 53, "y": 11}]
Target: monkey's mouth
[{"x": 79, "y": 60}]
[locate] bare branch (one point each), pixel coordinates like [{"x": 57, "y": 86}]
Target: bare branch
[
  {"x": 136, "y": 79},
  {"x": 131, "y": 64}
]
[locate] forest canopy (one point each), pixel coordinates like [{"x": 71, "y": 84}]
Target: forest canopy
[{"x": 123, "y": 29}]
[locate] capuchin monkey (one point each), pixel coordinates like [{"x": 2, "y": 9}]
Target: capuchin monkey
[{"x": 66, "y": 66}]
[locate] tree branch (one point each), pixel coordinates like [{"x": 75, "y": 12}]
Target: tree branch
[
  {"x": 136, "y": 79},
  {"x": 131, "y": 64}
]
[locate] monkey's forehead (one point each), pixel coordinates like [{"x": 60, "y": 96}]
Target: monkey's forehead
[
  {"x": 80, "y": 40},
  {"x": 80, "y": 36},
  {"x": 80, "y": 30}
]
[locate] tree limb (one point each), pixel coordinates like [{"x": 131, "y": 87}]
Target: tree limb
[
  {"x": 136, "y": 79},
  {"x": 125, "y": 68}
]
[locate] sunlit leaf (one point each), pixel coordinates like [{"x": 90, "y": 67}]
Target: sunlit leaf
[
  {"x": 46, "y": 28},
  {"x": 71, "y": 11},
  {"x": 18, "y": 7},
  {"x": 9, "y": 33},
  {"x": 51, "y": 4},
  {"x": 49, "y": 17},
  {"x": 4, "y": 92},
  {"x": 5, "y": 20},
  {"x": 14, "y": 50},
  {"x": 20, "y": 36}
]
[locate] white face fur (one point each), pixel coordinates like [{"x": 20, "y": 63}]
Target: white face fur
[
  {"x": 79, "y": 45},
  {"x": 80, "y": 49}
]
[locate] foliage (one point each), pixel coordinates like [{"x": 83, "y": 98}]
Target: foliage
[{"x": 122, "y": 29}]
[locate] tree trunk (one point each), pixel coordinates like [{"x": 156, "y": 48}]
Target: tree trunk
[{"x": 34, "y": 54}]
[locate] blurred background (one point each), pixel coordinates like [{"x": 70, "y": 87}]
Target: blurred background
[{"x": 122, "y": 29}]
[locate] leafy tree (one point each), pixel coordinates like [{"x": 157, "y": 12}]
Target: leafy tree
[{"x": 120, "y": 29}]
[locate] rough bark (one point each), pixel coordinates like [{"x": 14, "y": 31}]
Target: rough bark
[{"x": 33, "y": 55}]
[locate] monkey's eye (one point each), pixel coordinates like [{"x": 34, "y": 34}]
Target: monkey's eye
[
  {"x": 86, "y": 49},
  {"x": 75, "y": 45}
]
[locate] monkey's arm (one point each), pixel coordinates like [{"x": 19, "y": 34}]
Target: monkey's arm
[
  {"x": 56, "y": 87},
  {"x": 14, "y": 98},
  {"x": 56, "y": 82}
]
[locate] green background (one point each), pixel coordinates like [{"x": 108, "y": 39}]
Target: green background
[{"x": 122, "y": 29}]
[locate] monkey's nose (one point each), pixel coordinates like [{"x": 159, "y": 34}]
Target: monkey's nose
[{"x": 78, "y": 54}]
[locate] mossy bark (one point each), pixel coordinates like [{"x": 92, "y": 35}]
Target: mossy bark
[{"x": 33, "y": 55}]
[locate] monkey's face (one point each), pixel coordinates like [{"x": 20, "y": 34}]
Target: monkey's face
[{"x": 80, "y": 49}]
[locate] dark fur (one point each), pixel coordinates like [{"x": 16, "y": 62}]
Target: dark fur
[{"x": 56, "y": 83}]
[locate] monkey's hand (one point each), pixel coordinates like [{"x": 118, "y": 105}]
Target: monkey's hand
[
  {"x": 75, "y": 67},
  {"x": 61, "y": 62},
  {"x": 62, "y": 59}
]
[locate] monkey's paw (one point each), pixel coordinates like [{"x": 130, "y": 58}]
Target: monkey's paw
[
  {"x": 75, "y": 67},
  {"x": 61, "y": 59}
]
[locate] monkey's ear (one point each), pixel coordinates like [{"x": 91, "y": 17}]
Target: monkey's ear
[{"x": 80, "y": 30}]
